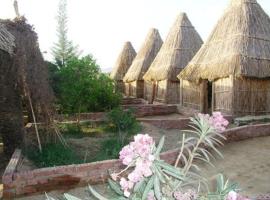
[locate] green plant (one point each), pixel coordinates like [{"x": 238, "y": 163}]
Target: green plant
[
  {"x": 64, "y": 49},
  {"x": 54, "y": 154},
  {"x": 123, "y": 123},
  {"x": 80, "y": 88}
]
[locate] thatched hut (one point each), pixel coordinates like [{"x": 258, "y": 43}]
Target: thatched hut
[
  {"x": 231, "y": 72},
  {"x": 181, "y": 44},
  {"x": 134, "y": 83},
  {"x": 23, "y": 82},
  {"x": 122, "y": 65}
]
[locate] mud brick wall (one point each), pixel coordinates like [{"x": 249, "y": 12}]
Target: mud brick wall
[
  {"x": 132, "y": 101},
  {"x": 65, "y": 177}
]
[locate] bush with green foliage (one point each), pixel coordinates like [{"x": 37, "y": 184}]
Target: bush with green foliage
[
  {"x": 83, "y": 88},
  {"x": 123, "y": 123}
]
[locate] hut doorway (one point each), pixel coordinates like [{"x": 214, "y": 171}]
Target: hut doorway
[
  {"x": 209, "y": 97},
  {"x": 154, "y": 90}
]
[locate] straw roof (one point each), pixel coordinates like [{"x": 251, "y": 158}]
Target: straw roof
[
  {"x": 239, "y": 45},
  {"x": 145, "y": 56},
  {"x": 181, "y": 44},
  {"x": 7, "y": 40},
  {"x": 123, "y": 62}
]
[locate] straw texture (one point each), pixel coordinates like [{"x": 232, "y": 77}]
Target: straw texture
[
  {"x": 123, "y": 62},
  {"x": 145, "y": 56},
  {"x": 181, "y": 44},
  {"x": 7, "y": 40},
  {"x": 239, "y": 45}
]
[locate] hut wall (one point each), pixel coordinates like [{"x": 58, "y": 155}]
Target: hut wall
[
  {"x": 173, "y": 92},
  {"x": 251, "y": 96},
  {"x": 135, "y": 89},
  {"x": 222, "y": 95},
  {"x": 161, "y": 91},
  {"x": 190, "y": 95},
  {"x": 148, "y": 91}
]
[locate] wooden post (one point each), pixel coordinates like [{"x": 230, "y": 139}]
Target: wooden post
[{"x": 181, "y": 92}]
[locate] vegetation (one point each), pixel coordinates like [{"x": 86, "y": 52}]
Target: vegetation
[
  {"x": 53, "y": 154},
  {"x": 80, "y": 89},
  {"x": 123, "y": 123},
  {"x": 63, "y": 50},
  {"x": 153, "y": 179}
]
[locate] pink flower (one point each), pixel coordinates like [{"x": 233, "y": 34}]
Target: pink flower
[
  {"x": 151, "y": 196},
  {"x": 127, "y": 155},
  {"x": 234, "y": 196},
  {"x": 217, "y": 121},
  {"x": 189, "y": 195},
  {"x": 135, "y": 176},
  {"x": 126, "y": 186},
  {"x": 114, "y": 176}
]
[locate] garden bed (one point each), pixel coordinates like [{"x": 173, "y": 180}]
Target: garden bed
[{"x": 41, "y": 180}]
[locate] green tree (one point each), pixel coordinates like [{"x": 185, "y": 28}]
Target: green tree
[
  {"x": 83, "y": 88},
  {"x": 63, "y": 49}
]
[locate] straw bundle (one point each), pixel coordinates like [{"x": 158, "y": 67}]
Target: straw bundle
[
  {"x": 7, "y": 40},
  {"x": 181, "y": 44},
  {"x": 123, "y": 62},
  {"x": 145, "y": 57},
  {"x": 239, "y": 45}
]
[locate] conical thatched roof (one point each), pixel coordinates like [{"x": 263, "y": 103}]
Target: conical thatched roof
[
  {"x": 145, "y": 56},
  {"x": 6, "y": 40},
  {"x": 239, "y": 45},
  {"x": 123, "y": 62},
  {"x": 181, "y": 44}
]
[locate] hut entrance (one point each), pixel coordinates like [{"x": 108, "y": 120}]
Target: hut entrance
[
  {"x": 154, "y": 90},
  {"x": 209, "y": 97}
]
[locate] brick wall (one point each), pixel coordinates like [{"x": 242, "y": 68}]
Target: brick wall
[{"x": 65, "y": 177}]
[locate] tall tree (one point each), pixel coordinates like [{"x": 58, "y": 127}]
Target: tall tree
[{"x": 63, "y": 49}]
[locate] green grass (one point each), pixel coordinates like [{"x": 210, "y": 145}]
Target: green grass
[
  {"x": 85, "y": 130},
  {"x": 109, "y": 149},
  {"x": 53, "y": 155}
]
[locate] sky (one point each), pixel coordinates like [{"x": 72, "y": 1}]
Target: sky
[{"x": 101, "y": 27}]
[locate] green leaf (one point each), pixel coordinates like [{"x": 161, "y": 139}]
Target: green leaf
[
  {"x": 115, "y": 187},
  {"x": 148, "y": 188},
  {"x": 170, "y": 168},
  {"x": 139, "y": 186},
  {"x": 160, "y": 146},
  {"x": 175, "y": 175},
  {"x": 96, "y": 194},
  {"x": 70, "y": 197},
  {"x": 157, "y": 188}
]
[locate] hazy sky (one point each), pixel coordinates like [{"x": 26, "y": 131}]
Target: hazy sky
[{"x": 101, "y": 27}]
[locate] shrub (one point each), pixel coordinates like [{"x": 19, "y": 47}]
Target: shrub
[
  {"x": 83, "y": 88},
  {"x": 123, "y": 123}
]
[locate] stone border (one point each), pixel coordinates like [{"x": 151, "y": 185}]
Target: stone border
[
  {"x": 141, "y": 110},
  {"x": 18, "y": 184}
]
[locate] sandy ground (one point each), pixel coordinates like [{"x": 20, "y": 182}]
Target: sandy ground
[{"x": 246, "y": 162}]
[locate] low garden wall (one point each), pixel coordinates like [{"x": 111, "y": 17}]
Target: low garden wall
[
  {"x": 132, "y": 101},
  {"x": 65, "y": 177},
  {"x": 140, "y": 110}
]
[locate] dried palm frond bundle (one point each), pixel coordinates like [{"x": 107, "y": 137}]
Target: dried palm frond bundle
[
  {"x": 236, "y": 59},
  {"x": 6, "y": 40},
  {"x": 181, "y": 44},
  {"x": 134, "y": 84},
  {"x": 23, "y": 81}
]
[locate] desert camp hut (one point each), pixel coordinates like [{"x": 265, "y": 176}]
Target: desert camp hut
[
  {"x": 122, "y": 65},
  {"x": 231, "y": 72},
  {"x": 181, "y": 44},
  {"x": 24, "y": 88},
  {"x": 134, "y": 83}
]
